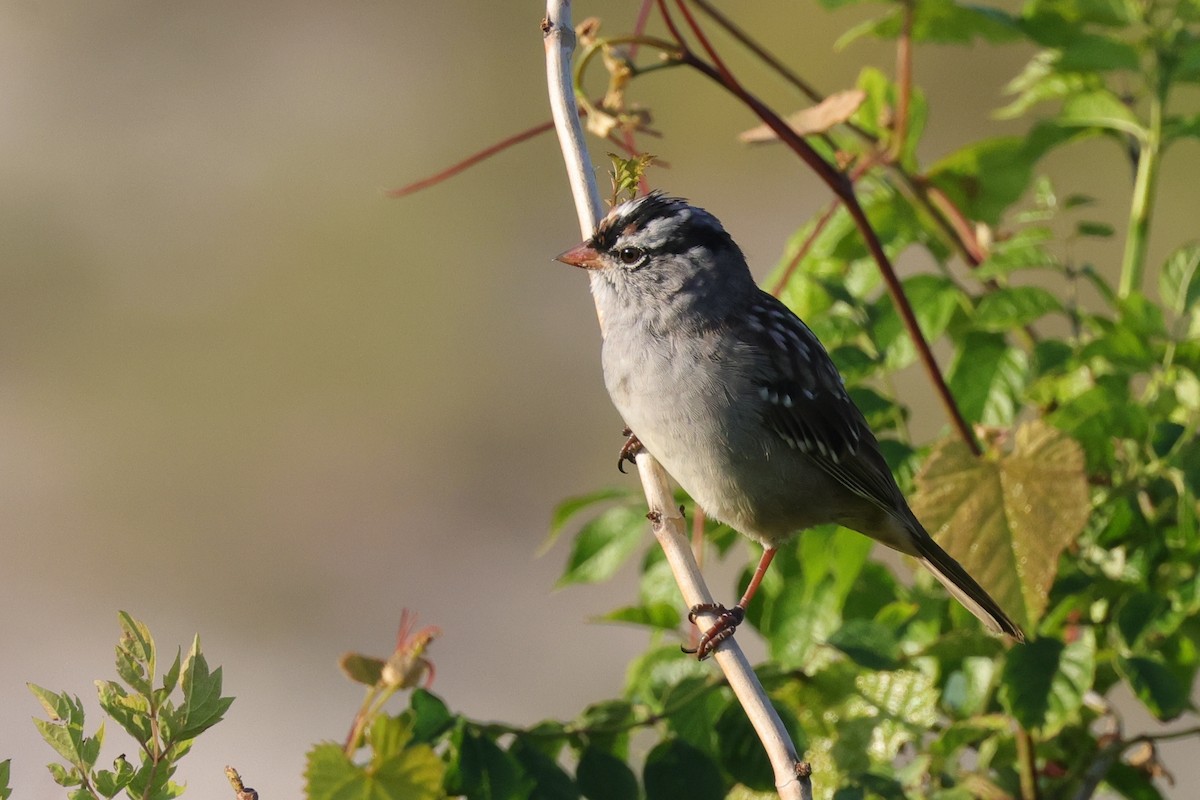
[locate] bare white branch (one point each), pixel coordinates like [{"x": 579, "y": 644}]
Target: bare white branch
[{"x": 791, "y": 777}]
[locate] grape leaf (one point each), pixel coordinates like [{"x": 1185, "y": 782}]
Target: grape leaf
[{"x": 1006, "y": 517}]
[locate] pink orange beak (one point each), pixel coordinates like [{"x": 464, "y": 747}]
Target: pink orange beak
[{"x": 582, "y": 255}]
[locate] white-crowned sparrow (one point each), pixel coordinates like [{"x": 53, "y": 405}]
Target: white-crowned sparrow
[{"x": 737, "y": 398}]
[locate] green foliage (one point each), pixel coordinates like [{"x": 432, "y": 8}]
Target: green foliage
[
  {"x": 1081, "y": 514},
  {"x": 163, "y": 722}
]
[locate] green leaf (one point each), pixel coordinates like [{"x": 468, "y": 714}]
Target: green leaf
[
  {"x": 1099, "y": 230},
  {"x": 933, "y": 299},
  {"x": 867, "y": 643},
  {"x": 1156, "y": 686},
  {"x": 659, "y": 616},
  {"x": 1006, "y": 309},
  {"x": 388, "y": 737},
  {"x": 5, "y": 789},
  {"x": 1006, "y": 518},
  {"x": 1131, "y": 782},
  {"x": 603, "y": 776},
  {"x": 568, "y": 509},
  {"x": 171, "y": 678},
  {"x": 1044, "y": 682},
  {"x": 135, "y": 654},
  {"x": 603, "y": 545},
  {"x": 131, "y": 712},
  {"x": 1100, "y": 109},
  {"x": 59, "y": 707},
  {"x": 987, "y": 377},
  {"x": 414, "y": 774},
  {"x": 800, "y": 601},
  {"x": 674, "y": 769},
  {"x": 967, "y": 688},
  {"x": 550, "y": 782},
  {"x": 607, "y": 724},
  {"x": 986, "y": 177},
  {"x": 367, "y": 670},
  {"x": 1179, "y": 281},
  {"x": 901, "y": 707},
  {"x": 740, "y": 750},
  {"x": 431, "y": 716},
  {"x": 110, "y": 783},
  {"x": 203, "y": 706}
]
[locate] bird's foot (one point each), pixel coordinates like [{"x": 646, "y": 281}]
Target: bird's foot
[
  {"x": 727, "y": 621},
  {"x": 629, "y": 450}
]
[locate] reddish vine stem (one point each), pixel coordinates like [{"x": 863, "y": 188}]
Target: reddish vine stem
[
  {"x": 472, "y": 160},
  {"x": 841, "y": 186},
  {"x": 904, "y": 75},
  {"x": 807, "y": 244}
]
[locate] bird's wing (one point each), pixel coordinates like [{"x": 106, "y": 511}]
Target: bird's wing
[{"x": 804, "y": 402}]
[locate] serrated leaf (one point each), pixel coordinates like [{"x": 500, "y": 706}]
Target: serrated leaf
[
  {"x": 415, "y": 774},
  {"x": 131, "y": 712},
  {"x": 388, "y": 737},
  {"x": 64, "y": 776},
  {"x": 58, "y": 706},
  {"x": 203, "y": 706},
  {"x": 676, "y": 769},
  {"x": 65, "y": 740},
  {"x": 1007, "y": 517},
  {"x": 171, "y": 677},
  {"x": 603, "y": 545},
  {"x": 1044, "y": 682},
  {"x": 987, "y": 377},
  {"x": 135, "y": 654}
]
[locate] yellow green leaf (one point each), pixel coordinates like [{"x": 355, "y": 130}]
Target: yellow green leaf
[{"x": 1006, "y": 517}]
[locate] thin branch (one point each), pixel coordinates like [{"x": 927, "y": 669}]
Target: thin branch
[
  {"x": 904, "y": 75},
  {"x": 791, "y": 777},
  {"x": 732, "y": 28},
  {"x": 1027, "y": 764},
  {"x": 472, "y": 160}
]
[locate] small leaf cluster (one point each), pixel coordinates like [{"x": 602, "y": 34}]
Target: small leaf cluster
[{"x": 163, "y": 720}]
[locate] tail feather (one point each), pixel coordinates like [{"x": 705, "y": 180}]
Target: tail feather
[{"x": 964, "y": 588}]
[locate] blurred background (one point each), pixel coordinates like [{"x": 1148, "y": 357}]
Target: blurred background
[{"x": 222, "y": 348}]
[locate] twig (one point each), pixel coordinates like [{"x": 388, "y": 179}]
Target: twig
[
  {"x": 1027, "y": 766},
  {"x": 791, "y": 777}
]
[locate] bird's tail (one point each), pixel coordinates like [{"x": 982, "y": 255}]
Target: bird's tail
[{"x": 963, "y": 587}]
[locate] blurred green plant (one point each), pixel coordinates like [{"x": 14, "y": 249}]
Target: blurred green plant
[{"x": 164, "y": 722}]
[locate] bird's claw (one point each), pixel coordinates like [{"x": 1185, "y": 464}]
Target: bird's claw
[
  {"x": 727, "y": 621},
  {"x": 629, "y": 450}
]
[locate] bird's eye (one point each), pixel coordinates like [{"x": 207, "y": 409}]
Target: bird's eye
[{"x": 631, "y": 256}]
